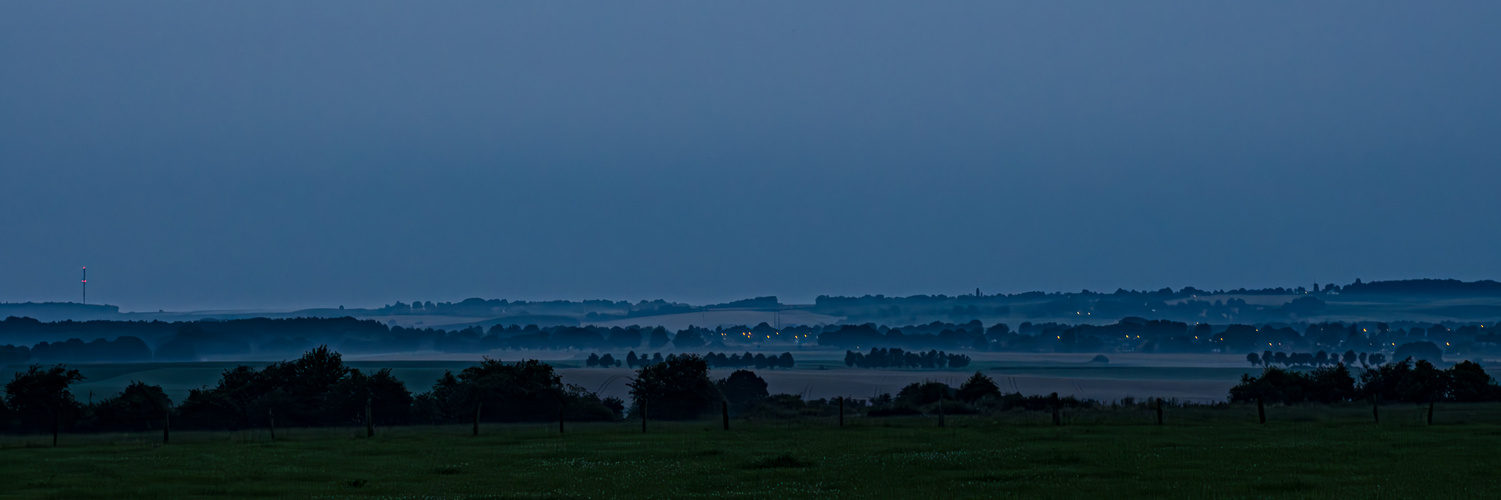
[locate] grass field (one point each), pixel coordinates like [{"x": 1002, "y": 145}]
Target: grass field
[{"x": 1319, "y": 452}]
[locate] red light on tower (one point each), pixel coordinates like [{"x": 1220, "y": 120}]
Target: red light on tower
[{"x": 85, "y": 284}]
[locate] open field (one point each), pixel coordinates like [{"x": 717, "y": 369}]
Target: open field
[
  {"x": 1305, "y": 452},
  {"x": 725, "y": 317}
]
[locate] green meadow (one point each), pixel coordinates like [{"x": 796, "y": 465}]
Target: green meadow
[{"x": 1303, "y": 452}]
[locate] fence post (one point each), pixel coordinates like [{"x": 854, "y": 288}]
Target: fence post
[
  {"x": 1159, "y": 411},
  {"x": 940, "y": 412},
  {"x": 1430, "y": 412},
  {"x": 57, "y": 423},
  {"x": 724, "y": 410},
  {"x": 369, "y": 422},
  {"x": 560, "y": 418},
  {"x": 271, "y": 415},
  {"x": 477, "y": 408},
  {"x": 1057, "y": 419},
  {"x": 1260, "y": 410},
  {"x": 1375, "y": 411},
  {"x": 841, "y": 411},
  {"x": 167, "y": 428},
  {"x": 643, "y": 415}
]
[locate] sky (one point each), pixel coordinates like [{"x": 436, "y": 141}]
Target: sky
[{"x": 265, "y": 155}]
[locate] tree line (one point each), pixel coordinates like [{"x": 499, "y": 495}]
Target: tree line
[
  {"x": 316, "y": 389},
  {"x": 715, "y": 360},
  {"x": 897, "y": 358},
  {"x": 1407, "y": 381},
  {"x": 141, "y": 341},
  {"x": 1321, "y": 359}
]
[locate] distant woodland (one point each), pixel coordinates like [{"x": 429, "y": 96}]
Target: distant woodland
[
  {"x": 265, "y": 339},
  {"x": 1434, "y": 301},
  {"x": 1187, "y": 320}
]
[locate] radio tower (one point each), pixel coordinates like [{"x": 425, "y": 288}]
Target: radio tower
[{"x": 85, "y": 284}]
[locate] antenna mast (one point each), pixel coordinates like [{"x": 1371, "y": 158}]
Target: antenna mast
[{"x": 85, "y": 284}]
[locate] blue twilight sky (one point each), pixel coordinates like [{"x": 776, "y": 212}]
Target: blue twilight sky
[{"x": 284, "y": 154}]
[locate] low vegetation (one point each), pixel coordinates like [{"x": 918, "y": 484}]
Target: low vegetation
[{"x": 1321, "y": 452}]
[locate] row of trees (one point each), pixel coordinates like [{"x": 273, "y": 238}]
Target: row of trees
[
  {"x": 897, "y": 358},
  {"x": 715, "y": 360},
  {"x": 1321, "y": 359},
  {"x": 137, "y": 341},
  {"x": 1406, "y": 381},
  {"x": 758, "y": 361},
  {"x": 316, "y": 389}
]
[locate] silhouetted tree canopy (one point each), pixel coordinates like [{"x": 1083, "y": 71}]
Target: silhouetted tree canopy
[
  {"x": 743, "y": 389},
  {"x": 677, "y": 388},
  {"x": 38, "y": 398}
]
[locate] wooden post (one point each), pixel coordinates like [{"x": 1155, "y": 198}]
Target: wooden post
[
  {"x": 477, "y": 408},
  {"x": 272, "y": 416},
  {"x": 940, "y": 412},
  {"x": 369, "y": 423},
  {"x": 841, "y": 411},
  {"x": 724, "y": 411},
  {"x": 1375, "y": 411},
  {"x": 1430, "y": 412},
  {"x": 1260, "y": 410},
  {"x": 560, "y": 418},
  {"x": 1159, "y": 411},
  {"x": 167, "y": 429},
  {"x": 643, "y": 415},
  {"x": 57, "y": 423},
  {"x": 1057, "y": 418}
]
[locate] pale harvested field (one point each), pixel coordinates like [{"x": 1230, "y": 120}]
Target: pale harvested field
[{"x": 711, "y": 319}]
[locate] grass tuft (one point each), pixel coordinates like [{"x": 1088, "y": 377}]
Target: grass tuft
[{"x": 783, "y": 461}]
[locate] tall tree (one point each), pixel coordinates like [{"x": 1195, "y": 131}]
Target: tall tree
[{"x": 39, "y": 398}]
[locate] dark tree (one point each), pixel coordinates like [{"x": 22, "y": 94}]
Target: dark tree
[
  {"x": 922, "y": 393},
  {"x": 658, "y": 338},
  {"x": 1424, "y": 384},
  {"x": 625, "y": 338},
  {"x": 676, "y": 389},
  {"x": 743, "y": 389},
  {"x": 1332, "y": 385},
  {"x": 138, "y": 407},
  {"x": 616, "y": 406},
  {"x": 390, "y": 401},
  {"x": 38, "y": 398},
  {"x": 978, "y": 387},
  {"x": 1428, "y": 351},
  {"x": 688, "y": 339},
  {"x": 1469, "y": 383},
  {"x": 529, "y": 391}
]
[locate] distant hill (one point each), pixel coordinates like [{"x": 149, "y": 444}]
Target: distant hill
[
  {"x": 58, "y": 311},
  {"x": 1425, "y": 287},
  {"x": 1414, "y": 300}
]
